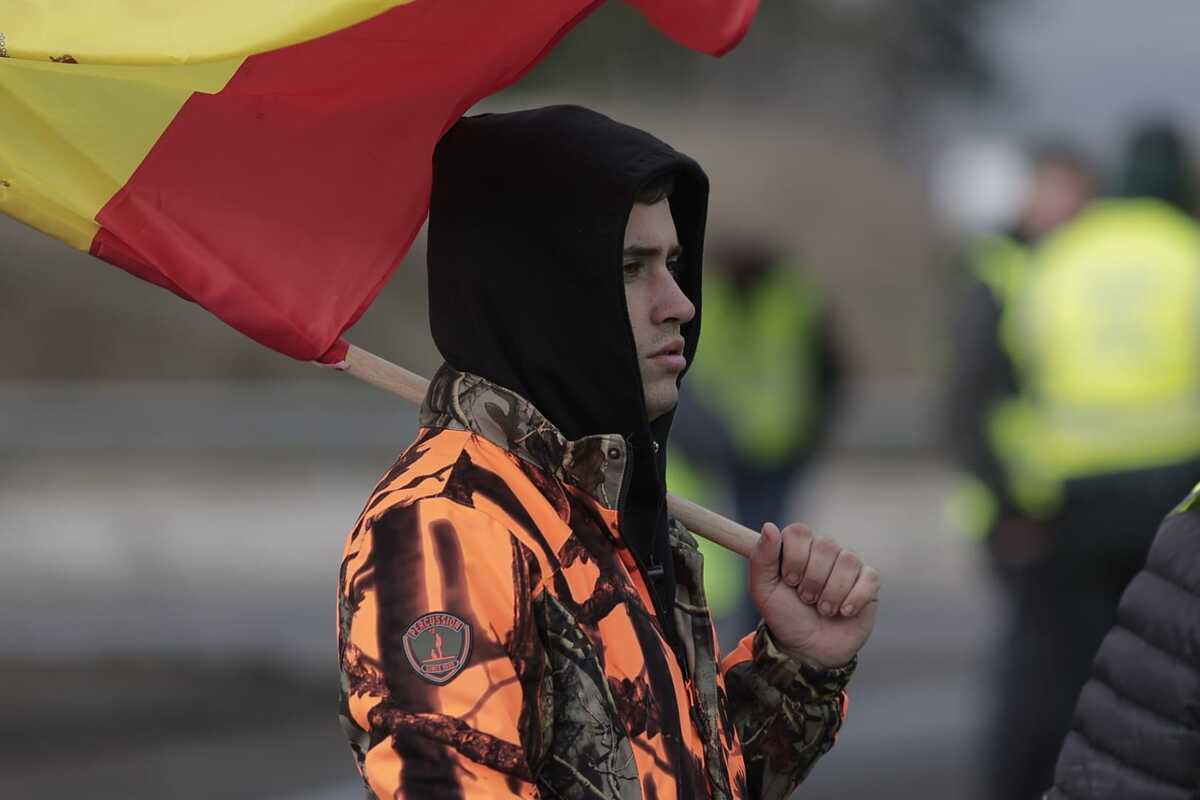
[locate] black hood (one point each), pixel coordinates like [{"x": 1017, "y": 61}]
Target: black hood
[{"x": 526, "y": 232}]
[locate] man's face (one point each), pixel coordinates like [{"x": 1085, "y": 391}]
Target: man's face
[
  {"x": 1059, "y": 192},
  {"x": 657, "y": 306}
]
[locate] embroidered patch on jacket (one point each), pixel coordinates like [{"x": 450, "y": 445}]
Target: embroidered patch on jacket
[{"x": 438, "y": 646}]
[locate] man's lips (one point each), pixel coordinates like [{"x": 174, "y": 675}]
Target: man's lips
[
  {"x": 671, "y": 348},
  {"x": 671, "y": 355}
]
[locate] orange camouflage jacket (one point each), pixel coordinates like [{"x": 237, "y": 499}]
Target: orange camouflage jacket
[{"x": 497, "y": 639}]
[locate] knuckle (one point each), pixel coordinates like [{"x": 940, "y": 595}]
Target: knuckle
[
  {"x": 826, "y": 545},
  {"x": 812, "y": 584},
  {"x": 795, "y": 555},
  {"x": 835, "y": 592},
  {"x": 872, "y": 578},
  {"x": 798, "y": 530}
]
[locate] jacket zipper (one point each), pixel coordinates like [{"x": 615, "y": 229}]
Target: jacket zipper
[
  {"x": 666, "y": 623},
  {"x": 666, "y": 617}
]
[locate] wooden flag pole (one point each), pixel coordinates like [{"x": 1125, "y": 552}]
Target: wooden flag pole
[
  {"x": 367, "y": 366},
  {"x": 393, "y": 378}
]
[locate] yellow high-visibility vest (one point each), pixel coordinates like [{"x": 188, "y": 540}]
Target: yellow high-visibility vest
[
  {"x": 1002, "y": 263},
  {"x": 1106, "y": 338},
  {"x": 724, "y": 570},
  {"x": 756, "y": 363}
]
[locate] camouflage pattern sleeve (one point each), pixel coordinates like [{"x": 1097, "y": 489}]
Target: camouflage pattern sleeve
[
  {"x": 786, "y": 713},
  {"x": 442, "y": 670}
]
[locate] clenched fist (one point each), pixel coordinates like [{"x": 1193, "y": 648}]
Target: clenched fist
[{"x": 818, "y": 599}]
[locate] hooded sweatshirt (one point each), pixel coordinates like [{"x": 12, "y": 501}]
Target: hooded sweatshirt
[
  {"x": 518, "y": 616},
  {"x": 526, "y": 231}
]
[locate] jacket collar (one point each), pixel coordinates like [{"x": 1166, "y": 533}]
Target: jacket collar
[{"x": 464, "y": 401}]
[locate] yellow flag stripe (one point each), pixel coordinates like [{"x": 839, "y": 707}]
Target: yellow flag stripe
[
  {"x": 74, "y": 133},
  {"x": 171, "y": 32}
]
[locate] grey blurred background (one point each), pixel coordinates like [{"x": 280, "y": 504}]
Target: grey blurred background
[{"x": 174, "y": 497}]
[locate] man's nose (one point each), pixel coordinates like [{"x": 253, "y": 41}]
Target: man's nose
[{"x": 675, "y": 305}]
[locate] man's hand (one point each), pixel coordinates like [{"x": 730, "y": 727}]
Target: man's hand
[{"x": 818, "y": 600}]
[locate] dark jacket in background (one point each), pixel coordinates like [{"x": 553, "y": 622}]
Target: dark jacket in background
[
  {"x": 982, "y": 372},
  {"x": 1136, "y": 731}
]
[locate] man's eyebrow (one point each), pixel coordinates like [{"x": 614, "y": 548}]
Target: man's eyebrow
[{"x": 650, "y": 251}]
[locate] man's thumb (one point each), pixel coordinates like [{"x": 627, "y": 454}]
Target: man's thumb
[{"x": 764, "y": 558}]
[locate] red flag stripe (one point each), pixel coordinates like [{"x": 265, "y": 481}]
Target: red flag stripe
[{"x": 284, "y": 202}]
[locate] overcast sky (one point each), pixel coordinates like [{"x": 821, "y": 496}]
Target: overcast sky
[{"x": 1088, "y": 67}]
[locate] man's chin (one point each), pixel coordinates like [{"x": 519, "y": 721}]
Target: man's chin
[{"x": 663, "y": 402}]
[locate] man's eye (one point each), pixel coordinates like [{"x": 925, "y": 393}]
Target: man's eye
[
  {"x": 632, "y": 269},
  {"x": 675, "y": 267}
]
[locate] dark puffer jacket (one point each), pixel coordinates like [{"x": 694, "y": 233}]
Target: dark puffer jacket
[{"x": 1136, "y": 732}]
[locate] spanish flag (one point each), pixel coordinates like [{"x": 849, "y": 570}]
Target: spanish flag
[{"x": 268, "y": 159}]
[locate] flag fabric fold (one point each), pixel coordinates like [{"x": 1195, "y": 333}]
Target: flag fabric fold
[{"x": 269, "y": 160}]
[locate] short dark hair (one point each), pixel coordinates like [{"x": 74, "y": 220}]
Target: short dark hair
[
  {"x": 657, "y": 189},
  {"x": 1157, "y": 164}
]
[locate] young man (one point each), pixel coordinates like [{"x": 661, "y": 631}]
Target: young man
[{"x": 519, "y": 617}]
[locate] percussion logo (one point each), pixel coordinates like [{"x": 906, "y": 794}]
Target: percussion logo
[{"x": 438, "y": 646}]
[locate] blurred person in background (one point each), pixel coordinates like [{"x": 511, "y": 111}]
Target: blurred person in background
[
  {"x": 1136, "y": 728},
  {"x": 996, "y": 269},
  {"x": 983, "y": 379},
  {"x": 1100, "y": 437},
  {"x": 758, "y": 404}
]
